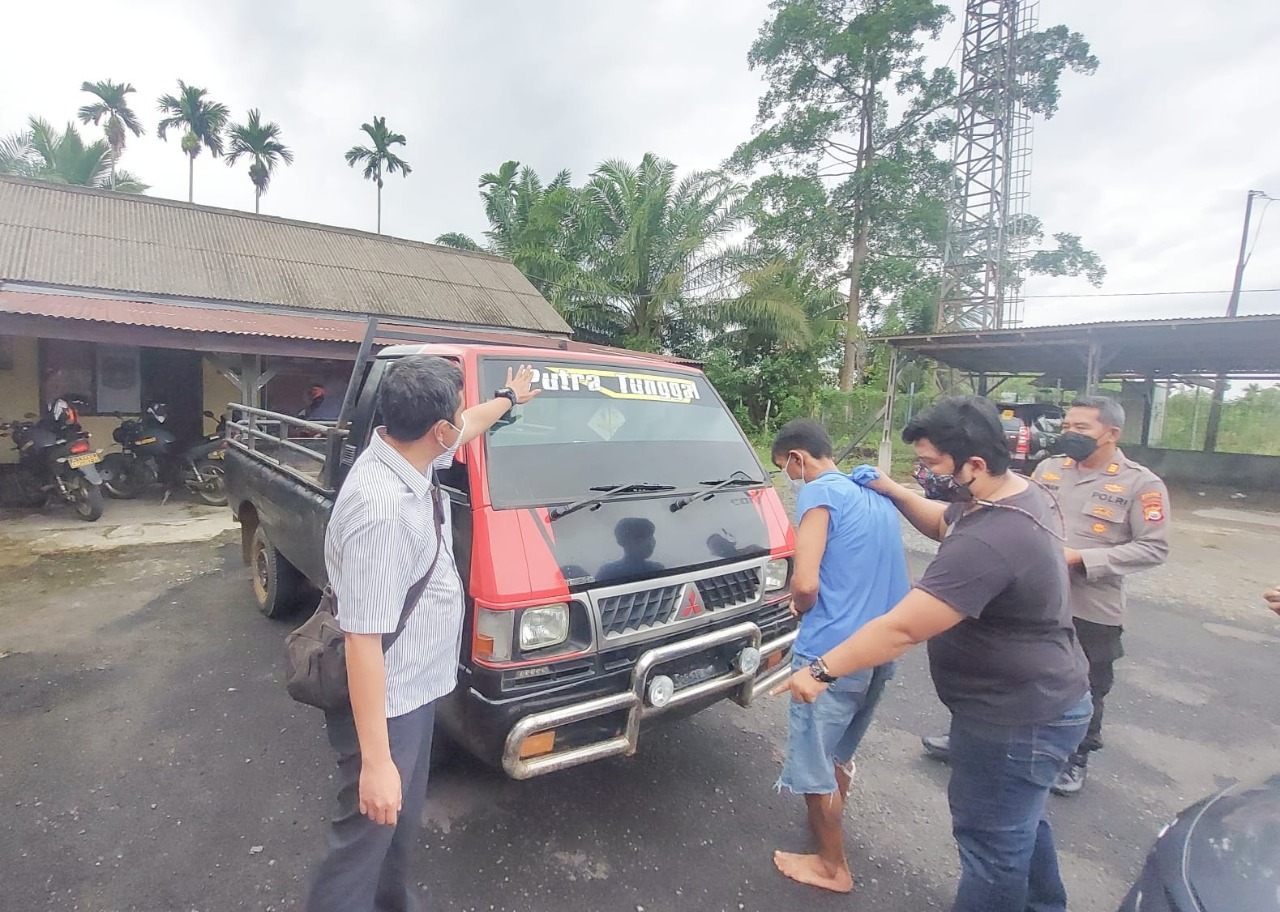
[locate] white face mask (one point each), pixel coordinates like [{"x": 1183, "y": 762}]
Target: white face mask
[
  {"x": 797, "y": 484},
  {"x": 460, "y": 431}
]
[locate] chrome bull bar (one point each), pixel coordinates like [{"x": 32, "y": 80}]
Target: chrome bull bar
[{"x": 741, "y": 685}]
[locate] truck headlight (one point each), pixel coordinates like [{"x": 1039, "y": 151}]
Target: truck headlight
[
  {"x": 775, "y": 574},
  {"x": 543, "y": 627}
]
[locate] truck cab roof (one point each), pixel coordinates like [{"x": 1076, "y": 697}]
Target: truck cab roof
[{"x": 539, "y": 349}]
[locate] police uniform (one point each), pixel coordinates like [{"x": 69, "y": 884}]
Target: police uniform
[{"x": 1117, "y": 517}]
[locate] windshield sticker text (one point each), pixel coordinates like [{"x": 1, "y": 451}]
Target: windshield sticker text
[{"x": 616, "y": 384}]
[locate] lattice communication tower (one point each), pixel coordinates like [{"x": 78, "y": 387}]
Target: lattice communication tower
[{"x": 992, "y": 155}]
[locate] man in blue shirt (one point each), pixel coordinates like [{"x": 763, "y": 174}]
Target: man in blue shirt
[{"x": 850, "y": 568}]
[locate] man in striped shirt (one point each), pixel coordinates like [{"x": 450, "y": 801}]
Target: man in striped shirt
[{"x": 381, "y": 540}]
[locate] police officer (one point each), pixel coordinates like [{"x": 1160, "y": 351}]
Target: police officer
[{"x": 1116, "y": 514}]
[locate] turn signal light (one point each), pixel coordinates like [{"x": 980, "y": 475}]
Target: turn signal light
[
  {"x": 538, "y": 744},
  {"x": 773, "y": 661}
]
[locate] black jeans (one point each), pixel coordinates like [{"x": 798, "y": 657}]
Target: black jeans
[{"x": 1102, "y": 646}]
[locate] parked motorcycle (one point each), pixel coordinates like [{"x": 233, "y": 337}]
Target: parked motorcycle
[
  {"x": 149, "y": 454},
  {"x": 56, "y": 459}
]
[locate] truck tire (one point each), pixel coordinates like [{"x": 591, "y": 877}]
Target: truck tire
[{"x": 277, "y": 585}]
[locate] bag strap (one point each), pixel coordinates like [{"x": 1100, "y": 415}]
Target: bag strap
[{"x": 415, "y": 591}]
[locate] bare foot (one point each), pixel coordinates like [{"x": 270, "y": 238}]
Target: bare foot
[{"x": 812, "y": 870}]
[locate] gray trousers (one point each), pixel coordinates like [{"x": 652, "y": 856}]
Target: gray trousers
[{"x": 367, "y": 865}]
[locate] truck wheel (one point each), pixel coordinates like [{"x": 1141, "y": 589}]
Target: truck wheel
[{"x": 277, "y": 584}]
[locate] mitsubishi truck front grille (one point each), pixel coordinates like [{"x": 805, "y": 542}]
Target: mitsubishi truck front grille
[
  {"x": 741, "y": 587},
  {"x": 636, "y": 611}
]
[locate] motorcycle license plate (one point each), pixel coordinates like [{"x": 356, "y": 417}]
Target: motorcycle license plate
[
  {"x": 216, "y": 454},
  {"x": 79, "y": 462}
]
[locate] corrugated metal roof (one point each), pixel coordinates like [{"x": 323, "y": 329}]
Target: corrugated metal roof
[
  {"x": 56, "y": 235},
  {"x": 300, "y": 326},
  {"x": 1243, "y": 345}
]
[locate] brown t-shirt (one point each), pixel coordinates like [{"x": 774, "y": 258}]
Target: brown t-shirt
[{"x": 1014, "y": 659}]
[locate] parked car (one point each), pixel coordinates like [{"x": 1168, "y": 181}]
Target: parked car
[
  {"x": 1031, "y": 429},
  {"x": 1221, "y": 854},
  {"x": 624, "y": 552}
]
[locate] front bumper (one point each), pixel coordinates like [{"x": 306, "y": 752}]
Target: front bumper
[{"x": 741, "y": 687}]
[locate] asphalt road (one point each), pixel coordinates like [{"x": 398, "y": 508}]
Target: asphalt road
[{"x": 151, "y": 761}]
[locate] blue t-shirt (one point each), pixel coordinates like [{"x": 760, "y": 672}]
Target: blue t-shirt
[{"x": 864, "y": 567}]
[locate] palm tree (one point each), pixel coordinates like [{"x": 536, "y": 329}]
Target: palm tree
[
  {"x": 540, "y": 228},
  {"x": 42, "y": 152},
  {"x": 15, "y": 154},
  {"x": 113, "y": 106},
  {"x": 261, "y": 142},
  {"x": 664, "y": 244},
  {"x": 202, "y": 119},
  {"x": 380, "y": 158}
]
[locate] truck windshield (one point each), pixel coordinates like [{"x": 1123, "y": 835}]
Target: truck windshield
[{"x": 598, "y": 426}]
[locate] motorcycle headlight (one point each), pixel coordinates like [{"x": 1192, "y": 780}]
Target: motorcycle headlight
[
  {"x": 775, "y": 574},
  {"x": 543, "y": 627}
]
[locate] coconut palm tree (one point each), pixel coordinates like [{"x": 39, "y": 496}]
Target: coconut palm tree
[
  {"x": 664, "y": 243},
  {"x": 379, "y": 158},
  {"x": 113, "y": 107},
  {"x": 261, "y": 143},
  {"x": 42, "y": 152},
  {"x": 201, "y": 119}
]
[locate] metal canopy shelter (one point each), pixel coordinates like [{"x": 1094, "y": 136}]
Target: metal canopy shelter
[{"x": 1080, "y": 356}]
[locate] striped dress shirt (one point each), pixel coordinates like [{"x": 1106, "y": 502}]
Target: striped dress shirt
[{"x": 380, "y": 541}]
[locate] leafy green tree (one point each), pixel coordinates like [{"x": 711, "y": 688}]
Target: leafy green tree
[
  {"x": 378, "y": 158},
  {"x": 854, "y": 179},
  {"x": 44, "y": 153},
  {"x": 663, "y": 243},
  {"x": 112, "y": 107},
  {"x": 261, "y": 143},
  {"x": 202, "y": 122},
  {"x": 542, "y": 228}
]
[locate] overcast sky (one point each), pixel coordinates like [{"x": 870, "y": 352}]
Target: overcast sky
[{"x": 1149, "y": 160}]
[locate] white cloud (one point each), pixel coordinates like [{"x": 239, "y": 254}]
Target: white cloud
[{"x": 1149, "y": 160}]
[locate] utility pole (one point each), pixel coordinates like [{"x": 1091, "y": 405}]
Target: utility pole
[{"x": 1233, "y": 309}]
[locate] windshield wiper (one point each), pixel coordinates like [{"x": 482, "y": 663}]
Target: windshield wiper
[
  {"x": 608, "y": 491},
  {"x": 737, "y": 479}
]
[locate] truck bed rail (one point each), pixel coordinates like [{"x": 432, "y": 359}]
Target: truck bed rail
[{"x": 250, "y": 430}]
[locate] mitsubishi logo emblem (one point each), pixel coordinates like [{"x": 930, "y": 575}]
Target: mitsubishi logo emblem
[{"x": 692, "y": 605}]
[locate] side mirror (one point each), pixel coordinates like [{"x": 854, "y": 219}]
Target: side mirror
[
  {"x": 31, "y": 416},
  {"x": 208, "y": 414}
]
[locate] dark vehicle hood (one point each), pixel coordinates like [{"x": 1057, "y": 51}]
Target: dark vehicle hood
[
  {"x": 1233, "y": 848},
  {"x": 639, "y": 537}
]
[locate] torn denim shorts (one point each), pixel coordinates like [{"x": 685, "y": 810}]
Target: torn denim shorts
[{"x": 827, "y": 731}]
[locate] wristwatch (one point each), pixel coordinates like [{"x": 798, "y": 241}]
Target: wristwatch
[
  {"x": 506, "y": 393},
  {"x": 818, "y": 669}
]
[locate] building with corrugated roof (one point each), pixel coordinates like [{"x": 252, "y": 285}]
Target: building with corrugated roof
[{"x": 124, "y": 299}]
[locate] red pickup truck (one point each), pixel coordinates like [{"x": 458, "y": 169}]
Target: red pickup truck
[{"x": 624, "y": 552}]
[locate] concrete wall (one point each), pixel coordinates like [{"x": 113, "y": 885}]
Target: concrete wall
[
  {"x": 1241, "y": 471},
  {"x": 19, "y": 388},
  {"x": 20, "y": 394},
  {"x": 218, "y": 391}
]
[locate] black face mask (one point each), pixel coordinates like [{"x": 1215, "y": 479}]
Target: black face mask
[
  {"x": 1077, "y": 446},
  {"x": 942, "y": 487}
]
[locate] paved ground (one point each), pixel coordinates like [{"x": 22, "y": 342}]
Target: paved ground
[{"x": 150, "y": 759}]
